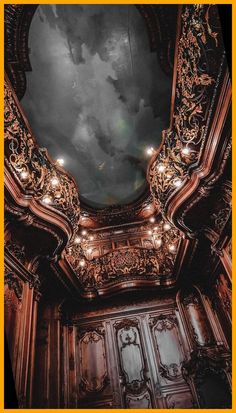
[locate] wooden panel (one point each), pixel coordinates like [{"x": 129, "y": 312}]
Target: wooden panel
[
  {"x": 197, "y": 318},
  {"x": 167, "y": 344},
  {"x": 92, "y": 361},
  {"x": 142, "y": 401},
  {"x": 178, "y": 400}
]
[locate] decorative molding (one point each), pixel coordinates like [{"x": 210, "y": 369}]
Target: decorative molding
[
  {"x": 17, "y": 250},
  {"x": 124, "y": 264},
  {"x": 13, "y": 283},
  {"x": 32, "y": 168},
  {"x": 94, "y": 374}
]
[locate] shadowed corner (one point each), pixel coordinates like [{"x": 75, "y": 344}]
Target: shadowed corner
[{"x": 10, "y": 399}]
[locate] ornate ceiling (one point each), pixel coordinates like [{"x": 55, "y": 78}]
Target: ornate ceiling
[
  {"x": 97, "y": 97},
  {"x": 152, "y": 241}
]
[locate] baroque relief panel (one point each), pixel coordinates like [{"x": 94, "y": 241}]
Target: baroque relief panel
[
  {"x": 168, "y": 346},
  {"x": 132, "y": 364},
  {"x": 92, "y": 361},
  {"x": 197, "y": 319}
]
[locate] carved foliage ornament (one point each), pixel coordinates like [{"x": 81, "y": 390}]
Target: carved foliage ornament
[
  {"x": 14, "y": 283},
  {"x": 199, "y": 66},
  {"x": 37, "y": 175},
  {"x": 127, "y": 262}
]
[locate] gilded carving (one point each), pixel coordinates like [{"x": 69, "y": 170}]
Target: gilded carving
[
  {"x": 31, "y": 166},
  {"x": 197, "y": 74},
  {"x": 127, "y": 263}
]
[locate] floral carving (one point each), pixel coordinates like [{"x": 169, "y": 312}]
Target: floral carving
[
  {"x": 198, "y": 72},
  {"x": 33, "y": 169}
]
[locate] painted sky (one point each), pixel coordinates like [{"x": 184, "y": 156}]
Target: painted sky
[{"x": 96, "y": 96}]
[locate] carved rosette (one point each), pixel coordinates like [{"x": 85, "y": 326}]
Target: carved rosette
[
  {"x": 199, "y": 66},
  {"x": 32, "y": 168}
]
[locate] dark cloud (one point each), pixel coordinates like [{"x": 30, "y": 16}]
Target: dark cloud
[{"x": 96, "y": 95}]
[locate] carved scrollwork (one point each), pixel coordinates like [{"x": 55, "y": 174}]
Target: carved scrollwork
[
  {"x": 93, "y": 365},
  {"x": 170, "y": 356},
  {"x": 13, "y": 283},
  {"x": 127, "y": 263},
  {"x": 33, "y": 169},
  {"x": 133, "y": 375},
  {"x": 17, "y": 250},
  {"x": 198, "y": 71}
]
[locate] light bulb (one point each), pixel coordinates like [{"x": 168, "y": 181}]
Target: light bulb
[
  {"x": 161, "y": 168},
  {"x": 24, "y": 175},
  {"x": 77, "y": 240},
  {"x": 60, "y": 161},
  {"x": 172, "y": 247},
  {"x": 177, "y": 183},
  {"x": 47, "y": 199},
  {"x": 150, "y": 151},
  {"x": 185, "y": 151},
  {"x": 166, "y": 226},
  {"x": 82, "y": 263},
  {"x": 54, "y": 181},
  {"x": 84, "y": 232},
  {"x": 152, "y": 220}
]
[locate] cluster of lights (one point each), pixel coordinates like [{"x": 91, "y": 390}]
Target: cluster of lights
[
  {"x": 166, "y": 227},
  {"x": 54, "y": 181},
  {"x": 177, "y": 182},
  {"x": 84, "y": 237}
]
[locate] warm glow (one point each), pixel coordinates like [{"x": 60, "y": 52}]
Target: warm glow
[
  {"x": 60, "y": 161},
  {"x": 149, "y": 232},
  {"x": 54, "y": 181},
  {"x": 89, "y": 250},
  {"x": 82, "y": 263},
  {"x": 158, "y": 242},
  {"x": 91, "y": 238},
  {"x": 161, "y": 168},
  {"x": 177, "y": 182},
  {"x": 84, "y": 232},
  {"x": 77, "y": 240},
  {"x": 152, "y": 220},
  {"x": 24, "y": 175},
  {"x": 47, "y": 199},
  {"x": 150, "y": 151},
  {"x": 166, "y": 226},
  {"x": 172, "y": 247},
  {"x": 185, "y": 151}
]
